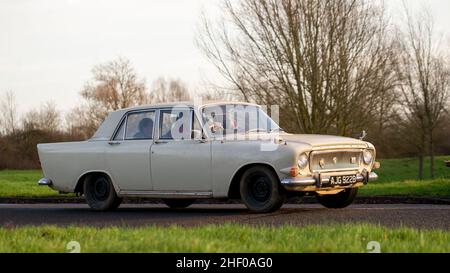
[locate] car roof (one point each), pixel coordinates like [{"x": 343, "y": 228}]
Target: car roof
[{"x": 183, "y": 104}]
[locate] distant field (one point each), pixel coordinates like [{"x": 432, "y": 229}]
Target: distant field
[
  {"x": 399, "y": 177},
  {"x": 402, "y": 169},
  {"x": 396, "y": 177},
  {"x": 224, "y": 238}
]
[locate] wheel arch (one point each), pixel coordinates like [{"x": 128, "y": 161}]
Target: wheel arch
[
  {"x": 233, "y": 191},
  {"x": 79, "y": 188}
]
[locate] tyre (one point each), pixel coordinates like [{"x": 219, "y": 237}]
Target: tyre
[
  {"x": 100, "y": 193},
  {"x": 178, "y": 203},
  {"x": 260, "y": 190},
  {"x": 337, "y": 201}
]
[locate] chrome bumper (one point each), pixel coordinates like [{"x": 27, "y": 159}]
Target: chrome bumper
[
  {"x": 311, "y": 183},
  {"x": 45, "y": 182}
]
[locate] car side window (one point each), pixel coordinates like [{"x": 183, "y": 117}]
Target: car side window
[
  {"x": 140, "y": 125},
  {"x": 121, "y": 132},
  {"x": 175, "y": 124}
]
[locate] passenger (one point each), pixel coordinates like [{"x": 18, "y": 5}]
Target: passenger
[{"x": 145, "y": 129}]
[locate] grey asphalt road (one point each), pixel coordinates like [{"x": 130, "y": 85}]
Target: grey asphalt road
[{"x": 418, "y": 216}]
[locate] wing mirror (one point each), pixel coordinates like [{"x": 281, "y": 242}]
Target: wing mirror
[{"x": 362, "y": 135}]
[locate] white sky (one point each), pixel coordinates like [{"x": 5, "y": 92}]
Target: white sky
[{"x": 48, "y": 47}]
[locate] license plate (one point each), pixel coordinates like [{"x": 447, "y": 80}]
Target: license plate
[{"x": 342, "y": 180}]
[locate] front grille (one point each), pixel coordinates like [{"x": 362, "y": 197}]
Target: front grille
[{"x": 336, "y": 160}]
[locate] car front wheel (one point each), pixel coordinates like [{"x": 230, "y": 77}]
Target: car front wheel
[
  {"x": 100, "y": 194},
  {"x": 260, "y": 190},
  {"x": 339, "y": 200}
]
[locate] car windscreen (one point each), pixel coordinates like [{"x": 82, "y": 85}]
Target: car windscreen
[{"x": 237, "y": 118}]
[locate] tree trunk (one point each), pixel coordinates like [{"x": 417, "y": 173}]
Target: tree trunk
[
  {"x": 431, "y": 152},
  {"x": 421, "y": 155},
  {"x": 421, "y": 166}
]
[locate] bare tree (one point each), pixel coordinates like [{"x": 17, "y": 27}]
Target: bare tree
[
  {"x": 217, "y": 94},
  {"x": 167, "y": 90},
  {"x": 9, "y": 113},
  {"x": 326, "y": 63},
  {"x": 425, "y": 76},
  {"x": 47, "y": 118},
  {"x": 79, "y": 124},
  {"x": 115, "y": 85}
]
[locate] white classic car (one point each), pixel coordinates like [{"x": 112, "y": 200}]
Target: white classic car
[{"x": 180, "y": 152}]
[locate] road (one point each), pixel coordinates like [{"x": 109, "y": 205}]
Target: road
[{"x": 418, "y": 216}]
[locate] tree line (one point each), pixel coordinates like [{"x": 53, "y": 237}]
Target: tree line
[
  {"x": 334, "y": 67},
  {"x": 114, "y": 85},
  {"x": 338, "y": 67}
]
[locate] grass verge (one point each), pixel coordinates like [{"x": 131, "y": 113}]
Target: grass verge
[
  {"x": 410, "y": 188},
  {"x": 23, "y": 183},
  {"x": 224, "y": 238}
]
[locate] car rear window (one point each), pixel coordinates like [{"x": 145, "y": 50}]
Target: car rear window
[{"x": 140, "y": 125}]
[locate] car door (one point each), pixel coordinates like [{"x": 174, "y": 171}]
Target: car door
[
  {"x": 128, "y": 153},
  {"x": 180, "y": 156}
]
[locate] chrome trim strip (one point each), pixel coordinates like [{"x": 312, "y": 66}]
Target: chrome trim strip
[
  {"x": 339, "y": 147},
  {"x": 335, "y": 170},
  {"x": 293, "y": 182},
  {"x": 45, "y": 182},
  {"x": 166, "y": 194},
  {"x": 318, "y": 152}
]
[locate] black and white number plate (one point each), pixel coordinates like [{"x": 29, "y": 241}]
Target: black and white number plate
[{"x": 342, "y": 180}]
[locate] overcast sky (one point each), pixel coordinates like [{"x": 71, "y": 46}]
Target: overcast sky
[{"x": 48, "y": 47}]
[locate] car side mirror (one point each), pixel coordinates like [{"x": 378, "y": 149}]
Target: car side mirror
[{"x": 362, "y": 135}]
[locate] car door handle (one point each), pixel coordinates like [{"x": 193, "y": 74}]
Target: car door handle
[
  {"x": 160, "y": 142},
  {"x": 112, "y": 143}
]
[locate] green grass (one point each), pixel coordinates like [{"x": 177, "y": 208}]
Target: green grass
[
  {"x": 426, "y": 188},
  {"x": 224, "y": 238},
  {"x": 402, "y": 169},
  {"x": 396, "y": 177},
  {"x": 15, "y": 183}
]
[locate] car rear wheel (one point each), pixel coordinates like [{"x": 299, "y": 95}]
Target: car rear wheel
[
  {"x": 260, "y": 190},
  {"x": 178, "y": 203},
  {"x": 339, "y": 200},
  {"x": 100, "y": 194}
]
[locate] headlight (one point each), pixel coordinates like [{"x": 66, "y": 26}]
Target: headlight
[
  {"x": 302, "y": 161},
  {"x": 367, "y": 156}
]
